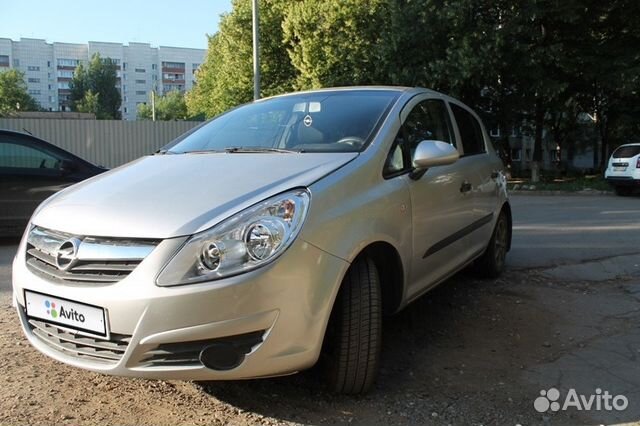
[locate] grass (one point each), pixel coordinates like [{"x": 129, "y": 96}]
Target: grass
[{"x": 570, "y": 184}]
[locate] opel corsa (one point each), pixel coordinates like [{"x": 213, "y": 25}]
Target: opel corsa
[{"x": 270, "y": 238}]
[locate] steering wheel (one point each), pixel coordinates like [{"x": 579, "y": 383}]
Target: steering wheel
[{"x": 353, "y": 141}]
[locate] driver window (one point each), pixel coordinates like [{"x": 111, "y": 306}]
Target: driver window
[
  {"x": 14, "y": 155},
  {"x": 428, "y": 120}
]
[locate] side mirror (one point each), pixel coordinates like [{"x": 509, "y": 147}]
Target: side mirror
[{"x": 434, "y": 153}]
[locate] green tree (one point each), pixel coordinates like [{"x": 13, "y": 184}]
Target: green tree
[
  {"x": 13, "y": 93},
  {"x": 337, "y": 42},
  {"x": 225, "y": 79},
  {"x": 93, "y": 88},
  {"x": 171, "y": 106}
]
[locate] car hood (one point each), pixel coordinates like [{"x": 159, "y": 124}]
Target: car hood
[{"x": 165, "y": 196}]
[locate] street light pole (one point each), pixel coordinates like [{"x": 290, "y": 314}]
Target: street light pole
[{"x": 256, "y": 52}]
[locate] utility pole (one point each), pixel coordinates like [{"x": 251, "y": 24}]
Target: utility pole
[
  {"x": 256, "y": 52},
  {"x": 153, "y": 105}
]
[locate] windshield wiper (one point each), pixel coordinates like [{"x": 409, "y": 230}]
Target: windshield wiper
[{"x": 254, "y": 149}]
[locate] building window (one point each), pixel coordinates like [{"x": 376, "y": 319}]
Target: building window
[
  {"x": 124, "y": 87},
  {"x": 63, "y": 85},
  {"x": 154, "y": 66},
  {"x": 172, "y": 76},
  {"x": 34, "y": 92},
  {"x": 155, "y": 77},
  {"x": 141, "y": 92},
  {"x": 4, "y": 60},
  {"x": 141, "y": 81},
  {"x": 516, "y": 154},
  {"x": 179, "y": 65},
  {"x": 140, "y": 70},
  {"x": 33, "y": 68},
  {"x": 50, "y": 88},
  {"x": 33, "y": 80},
  {"x": 48, "y": 64},
  {"x": 16, "y": 63},
  {"x": 126, "y": 110},
  {"x": 65, "y": 74},
  {"x": 111, "y": 61},
  {"x": 62, "y": 62},
  {"x": 52, "y": 99},
  {"x": 124, "y": 65}
]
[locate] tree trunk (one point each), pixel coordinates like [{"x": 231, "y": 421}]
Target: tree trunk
[{"x": 537, "y": 145}]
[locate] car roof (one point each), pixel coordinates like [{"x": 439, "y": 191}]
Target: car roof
[{"x": 382, "y": 88}]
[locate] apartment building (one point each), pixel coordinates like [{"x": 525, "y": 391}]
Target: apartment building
[{"x": 141, "y": 68}]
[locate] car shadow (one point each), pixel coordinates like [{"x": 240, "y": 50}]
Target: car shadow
[{"x": 424, "y": 347}]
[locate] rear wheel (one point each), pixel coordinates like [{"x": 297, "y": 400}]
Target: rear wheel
[
  {"x": 491, "y": 263},
  {"x": 351, "y": 352}
]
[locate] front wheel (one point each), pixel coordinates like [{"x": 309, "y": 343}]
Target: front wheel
[
  {"x": 491, "y": 263},
  {"x": 351, "y": 349}
]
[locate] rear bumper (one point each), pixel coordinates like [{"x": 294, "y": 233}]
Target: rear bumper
[{"x": 623, "y": 181}]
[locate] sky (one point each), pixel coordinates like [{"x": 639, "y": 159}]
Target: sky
[{"x": 159, "y": 22}]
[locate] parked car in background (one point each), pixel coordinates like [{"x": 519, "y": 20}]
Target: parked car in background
[
  {"x": 273, "y": 236},
  {"x": 623, "y": 170},
  {"x": 30, "y": 171}
]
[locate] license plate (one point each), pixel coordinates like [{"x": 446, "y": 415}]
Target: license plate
[
  {"x": 74, "y": 315},
  {"x": 619, "y": 169}
]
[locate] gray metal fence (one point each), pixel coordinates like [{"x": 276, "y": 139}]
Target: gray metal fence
[{"x": 108, "y": 143}]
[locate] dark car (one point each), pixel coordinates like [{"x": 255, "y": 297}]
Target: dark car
[{"x": 30, "y": 171}]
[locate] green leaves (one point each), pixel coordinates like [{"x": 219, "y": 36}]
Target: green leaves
[
  {"x": 514, "y": 61},
  {"x": 171, "y": 106},
  {"x": 13, "y": 93},
  {"x": 93, "y": 88}
]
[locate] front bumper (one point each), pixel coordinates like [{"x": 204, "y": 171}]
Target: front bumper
[{"x": 287, "y": 303}]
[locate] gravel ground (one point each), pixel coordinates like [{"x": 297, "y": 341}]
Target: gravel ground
[{"x": 471, "y": 352}]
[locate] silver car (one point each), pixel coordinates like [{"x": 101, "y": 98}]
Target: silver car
[{"x": 270, "y": 238}]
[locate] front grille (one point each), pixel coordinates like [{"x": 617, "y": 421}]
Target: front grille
[
  {"x": 186, "y": 354},
  {"x": 619, "y": 164},
  {"x": 98, "y": 260},
  {"x": 80, "y": 346}
]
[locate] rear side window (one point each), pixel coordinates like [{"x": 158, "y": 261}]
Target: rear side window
[
  {"x": 470, "y": 131},
  {"x": 13, "y": 155},
  {"x": 626, "y": 151}
]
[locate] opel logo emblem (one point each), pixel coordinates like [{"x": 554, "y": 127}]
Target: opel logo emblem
[{"x": 67, "y": 254}]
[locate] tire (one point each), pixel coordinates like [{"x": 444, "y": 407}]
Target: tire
[
  {"x": 622, "y": 191},
  {"x": 491, "y": 263},
  {"x": 351, "y": 351}
]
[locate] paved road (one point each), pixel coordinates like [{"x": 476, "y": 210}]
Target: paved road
[{"x": 556, "y": 230}]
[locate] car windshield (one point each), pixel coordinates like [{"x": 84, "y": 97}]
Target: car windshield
[
  {"x": 331, "y": 121},
  {"x": 627, "y": 151}
]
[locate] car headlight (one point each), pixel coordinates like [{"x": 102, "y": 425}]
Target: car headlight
[{"x": 245, "y": 241}]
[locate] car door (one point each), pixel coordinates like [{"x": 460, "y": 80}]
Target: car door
[
  {"x": 482, "y": 171},
  {"x": 440, "y": 210},
  {"x": 28, "y": 175}
]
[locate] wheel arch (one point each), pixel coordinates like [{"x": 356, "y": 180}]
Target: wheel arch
[{"x": 390, "y": 271}]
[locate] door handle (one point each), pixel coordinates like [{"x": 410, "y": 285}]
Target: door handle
[{"x": 465, "y": 187}]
